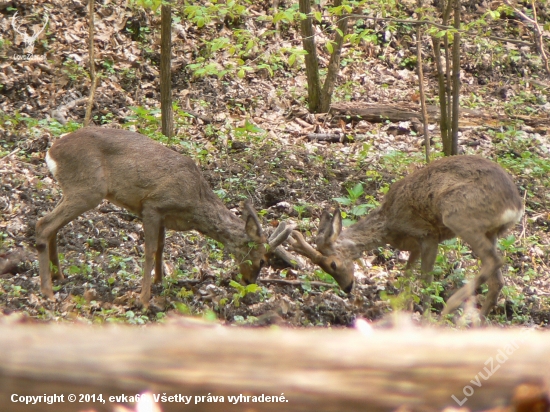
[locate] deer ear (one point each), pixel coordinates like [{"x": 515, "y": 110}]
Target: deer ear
[
  {"x": 336, "y": 225},
  {"x": 329, "y": 227},
  {"x": 253, "y": 229}
]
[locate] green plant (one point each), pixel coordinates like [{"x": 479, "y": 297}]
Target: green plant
[
  {"x": 242, "y": 291},
  {"x": 249, "y": 132},
  {"x": 357, "y": 210},
  {"x": 146, "y": 120},
  {"x": 134, "y": 319},
  {"x": 74, "y": 71},
  {"x": 148, "y": 4},
  {"x": 300, "y": 209}
]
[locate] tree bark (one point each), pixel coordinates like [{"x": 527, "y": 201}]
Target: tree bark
[
  {"x": 456, "y": 78},
  {"x": 311, "y": 60},
  {"x": 316, "y": 370},
  {"x": 165, "y": 70},
  {"x": 334, "y": 63},
  {"x": 93, "y": 76}
]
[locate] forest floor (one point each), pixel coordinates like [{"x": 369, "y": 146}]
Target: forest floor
[{"x": 252, "y": 142}]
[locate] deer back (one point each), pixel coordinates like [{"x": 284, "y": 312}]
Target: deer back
[
  {"x": 128, "y": 169},
  {"x": 472, "y": 188}
]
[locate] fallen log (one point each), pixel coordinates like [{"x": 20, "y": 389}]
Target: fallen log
[
  {"x": 304, "y": 370},
  {"x": 381, "y": 113}
]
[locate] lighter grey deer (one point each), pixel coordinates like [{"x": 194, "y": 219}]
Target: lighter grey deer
[
  {"x": 165, "y": 189},
  {"x": 465, "y": 196}
]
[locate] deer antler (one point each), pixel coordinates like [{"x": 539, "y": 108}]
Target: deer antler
[
  {"x": 281, "y": 234},
  {"x": 299, "y": 245}
]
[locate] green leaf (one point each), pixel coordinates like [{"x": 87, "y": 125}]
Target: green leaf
[
  {"x": 343, "y": 200},
  {"x": 182, "y": 308},
  {"x": 236, "y": 285},
  {"x": 292, "y": 60},
  {"x": 253, "y": 287},
  {"x": 359, "y": 210},
  {"x": 356, "y": 192}
]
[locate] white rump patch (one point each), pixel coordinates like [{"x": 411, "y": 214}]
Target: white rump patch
[
  {"x": 51, "y": 164},
  {"x": 511, "y": 216}
]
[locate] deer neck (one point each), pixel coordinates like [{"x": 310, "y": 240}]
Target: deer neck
[
  {"x": 222, "y": 225},
  {"x": 215, "y": 221},
  {"x": 368, "y": 233}
]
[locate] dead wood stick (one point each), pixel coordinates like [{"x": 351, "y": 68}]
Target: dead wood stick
[
  {"x": 297, "y": 282},
  {"x": 316, "y": 370},
  {"x": 329, "y": 137}
]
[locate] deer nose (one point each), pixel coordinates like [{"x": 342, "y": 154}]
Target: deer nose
[{"x": 349, "y": 288}]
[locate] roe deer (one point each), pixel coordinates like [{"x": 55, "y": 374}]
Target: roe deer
[
  {"x": 165, "y": 189},
  {"x": 465, "y": 196}
]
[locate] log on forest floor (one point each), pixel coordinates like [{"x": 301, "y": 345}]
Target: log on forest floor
[
  {"x": 316, "y": 370},
  {"x": 381, "y": 113}
]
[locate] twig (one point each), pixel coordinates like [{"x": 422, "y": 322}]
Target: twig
[
  {"x": 297, "y": 282},
  {"x": 524, "y": 220},
  {"x": 431, "y": 23},
  {"x": 10, "y": 154},
  {"x": 539, "y": 43},
  {"x": 93, "y": 76},
  {"x": 421, "y": 88},
  {"x": 181, "y": 282}
]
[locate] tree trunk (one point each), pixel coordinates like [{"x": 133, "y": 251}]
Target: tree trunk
[
  {"x": 456, "y": 78},
  {"x": 314, "y": 370},
  {"x": 334, "y": 63},
  {"x": 93, "y": 76},
  {"x": 312, "y": 63},
  {"x": 165, "y": 70}
]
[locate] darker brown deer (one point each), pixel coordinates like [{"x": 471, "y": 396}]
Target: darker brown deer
[
  {"x": 465, "y": 196},
  {"x": 165, "y": 189}
]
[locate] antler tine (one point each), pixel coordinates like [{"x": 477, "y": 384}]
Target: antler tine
[
  {"x": 289, "y": 258},
  {"x": 278, "y": 230},
  {"x": 299, "y": 245},
  {"x": 280, "y": 235}
]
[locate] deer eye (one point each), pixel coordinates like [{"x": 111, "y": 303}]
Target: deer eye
[{"x": 333, "y": 265}]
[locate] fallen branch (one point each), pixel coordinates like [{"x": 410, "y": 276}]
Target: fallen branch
[
  {"x": 307, "y": 370},
  {"x": 297, "y": 282},
  {"x": 329, "y": 137}
]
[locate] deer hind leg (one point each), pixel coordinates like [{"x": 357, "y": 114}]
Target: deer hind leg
[
  {"x": 151, "y": 227},
  {"x": 428, "y": 254},
  {"x": 414, "y": 254},
  {"x": 494, "y": 283},
  {"x": 484, "y": 246},
  {"x": 158, "y": 256},
  {"x": 47, "y": 227},
  {"x": 56, "y": 271}
]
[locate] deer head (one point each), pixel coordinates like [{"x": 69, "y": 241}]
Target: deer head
[
  {"x": 327, "y": 255},
  {"x": 258, "y": 254}
]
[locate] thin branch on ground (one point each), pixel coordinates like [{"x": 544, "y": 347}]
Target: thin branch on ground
[{"x": 297, "y": 282}]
